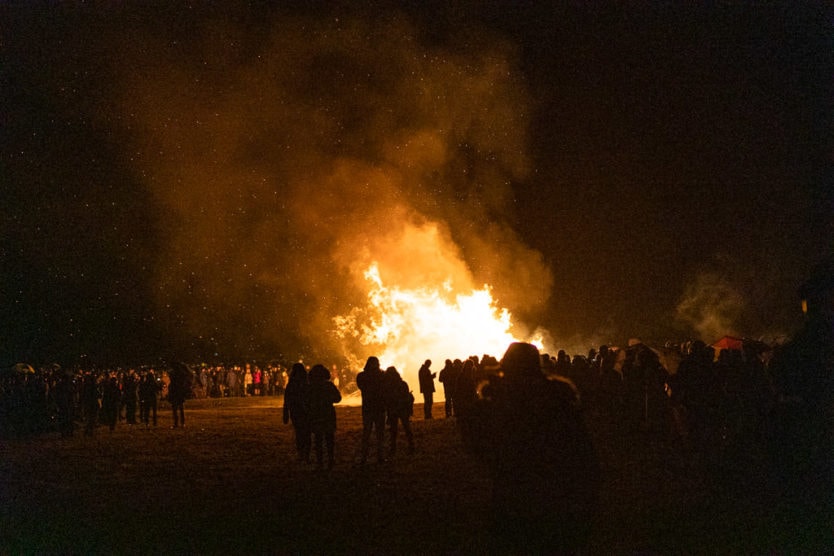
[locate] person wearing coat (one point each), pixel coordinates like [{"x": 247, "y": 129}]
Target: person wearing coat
[
  {"x": 111, "y": 399},
  {"x": 399, "y": 404},
  {"x": 545, "y": 469},
  {"x": 179, "y": 388},
  {"x": 149, "y": 389},
  {"x": 321, "y": 395},
  {"x": 370, "y": 382},
  {"x": 295, "y": 410},
  {"x": 426, "y": 380}
]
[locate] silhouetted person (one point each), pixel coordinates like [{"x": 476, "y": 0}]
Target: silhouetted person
[
  {"x": 233, "y": 382},
  {"x": 90, "y": 398},
  {"x": 466, "y": 396},
  {"x": 321, "y": 395},
  {"x": 581, "y": 374},
  {"x": 65, "y": 404},
  {"x": 370, "y": 383},
  {"x": 758, "y": 396},
  {"x": 111, "y": 400},
  {"x": 179, "y": 388},
  {"x": 149, "y": 389},
  {"x": 562, "y": 365},
  {"x": 610, "y": 384},
  {"x": 448, "y": 378},
  {"x": 697, "y": 389},
  {"x": 644, "y": 379},
  {"x": 426, "y": 380},
  {"x": 130, "y": 396},
  {"x": 802, "y": 421},
  {"x": 399, "y": 403},
  {"x": 545, "y": 469},
  {"x": 295, "y": 410}
]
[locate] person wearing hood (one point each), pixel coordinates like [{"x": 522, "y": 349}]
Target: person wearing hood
[
  {"x": 545, "y": 469},
  {"x": 370, "y": 383},
  {"x": 321, "y": 395},
  {"x": 295, "y": 410}
]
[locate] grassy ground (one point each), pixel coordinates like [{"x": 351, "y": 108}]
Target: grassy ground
[{"x": 229, "y": 483}]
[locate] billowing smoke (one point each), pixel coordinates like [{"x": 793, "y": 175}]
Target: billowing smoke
[
  {"x": 712, "y": 306},
  {"x": 283, "y": 163},
  {"x": 730, "y": 297}
]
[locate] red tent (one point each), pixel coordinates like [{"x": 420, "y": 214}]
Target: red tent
[{"x": 729, "y": 342}]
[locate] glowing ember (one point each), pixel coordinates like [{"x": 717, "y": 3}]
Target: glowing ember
[{"x": 404, "y": 327}]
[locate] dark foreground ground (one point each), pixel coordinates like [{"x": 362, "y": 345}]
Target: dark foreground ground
[{"x": 229, "y": 483}]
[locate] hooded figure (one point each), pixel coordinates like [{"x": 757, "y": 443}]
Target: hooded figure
[
  {"x": 370, "y": 383},
  {"x": 321, "y": 395},
  {"x": 295, "y": 410},
  {"x": 544, "y": 466}
]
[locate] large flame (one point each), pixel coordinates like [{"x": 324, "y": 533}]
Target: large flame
[{"x": 405, "y": 326}]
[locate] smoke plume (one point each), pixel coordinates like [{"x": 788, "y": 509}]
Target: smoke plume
[
  {"x": 712, "y": 306},
  {"x": 282, "y": 163}
]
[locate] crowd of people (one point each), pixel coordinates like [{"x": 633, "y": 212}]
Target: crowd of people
[
  {"x": 708, "y": 393},
  {"x": 252, "y": 379},
  {"x": 51, "y": 398},
  {"x": 525, "y": 415}
]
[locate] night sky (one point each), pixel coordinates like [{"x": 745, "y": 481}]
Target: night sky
[{"x": 195, "y": 182}]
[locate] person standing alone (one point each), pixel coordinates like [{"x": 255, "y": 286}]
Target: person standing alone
[{"x": 426, "y": 379}]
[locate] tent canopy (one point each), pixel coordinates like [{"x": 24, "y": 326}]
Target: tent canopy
[
  {"x": 741, "y": 344},
  {"x": 729, "y": 342}
]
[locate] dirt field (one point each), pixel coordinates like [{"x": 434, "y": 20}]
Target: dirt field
[{"x": 229, "y": 483}]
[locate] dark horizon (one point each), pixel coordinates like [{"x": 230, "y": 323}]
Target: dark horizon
[{"x": 184, "y": 182}]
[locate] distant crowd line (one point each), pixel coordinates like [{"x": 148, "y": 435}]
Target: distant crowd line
[
  {"x": 699, "y": 393},
  {"x": 39, "y": 400}
]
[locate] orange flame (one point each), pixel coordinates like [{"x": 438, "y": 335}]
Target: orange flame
[{"x": 407, "y": 326}]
